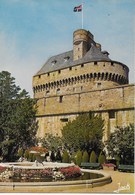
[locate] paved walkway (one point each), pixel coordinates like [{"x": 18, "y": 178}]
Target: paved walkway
[{"x": 121, "y": 183}]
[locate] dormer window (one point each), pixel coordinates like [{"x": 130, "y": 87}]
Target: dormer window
[
  {"x": 54, "y": 62},
  {"x": 66, "y": 58}
]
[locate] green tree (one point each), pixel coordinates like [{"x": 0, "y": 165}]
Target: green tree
[
  {"x": 78, "y": 157},
  {"x": 65, "y": 157},
  {"x": 51, "y": 142},
  {"x": 121, "y": 144},
  {"x": 85, "y": 157},
  {"x": 84, "y": 133},
  {"x": 18, "y": 124},
  {"x": 26, "y": 154},
  {"x": 20, "y": 152},
  {"x": 101, "y": 158},
  {"x": 93, "y": 157}
]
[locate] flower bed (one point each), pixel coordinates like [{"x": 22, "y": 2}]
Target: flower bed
[
  {"x": 34, "y": 173},
  {"x": 2, "y": 169},
  {"x": 70, "y": 172}
]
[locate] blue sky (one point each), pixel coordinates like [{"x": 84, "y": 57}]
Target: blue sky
[{"x": 31, "y": 31}]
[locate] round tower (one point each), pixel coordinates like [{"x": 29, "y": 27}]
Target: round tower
[{"x": 82, "y": 40}]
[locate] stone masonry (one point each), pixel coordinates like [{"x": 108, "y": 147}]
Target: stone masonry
[{"x": 85, "y": 80}]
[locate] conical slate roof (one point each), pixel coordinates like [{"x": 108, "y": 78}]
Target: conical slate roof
[{"x": 65, "y": 60}]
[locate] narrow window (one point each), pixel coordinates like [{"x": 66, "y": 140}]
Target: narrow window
[
  {"x": 82, "y": 65},
  {"x": 48, "y": 74},
  {"x": 70, "y": 68},
  {"x": 61, "y": 98},
  {"x": 64, "y": 119},
  {"x": 39, "y": 76},
  {"x": 59, "y": 71},
  {"x": 47, "y": 92},
  {"x": 98, "y": 85},
  {"x": 95, "y": 63},
  {"x": 112, "y": 64},
  {"x": 111, "y": 114},
  {"x": 58, "y": 91}
]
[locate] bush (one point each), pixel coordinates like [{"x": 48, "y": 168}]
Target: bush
[
  {"x": 30, "y": 157},
  {"x": 20, "y": 152},
  {"x": 117, "y": 158},
  {"x": 65, "y": 157},
  {"x": 85, "y": 157},
  {"x": 79, "y": 158},
  {"x": 101, "y": 158},
  {"x": 26, "y": 154},
  {"x": 58, "y": 156},
  {"x": 93, "y": 157}
]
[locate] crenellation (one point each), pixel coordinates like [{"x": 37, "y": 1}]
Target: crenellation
[{"x": 83, "y": 80}]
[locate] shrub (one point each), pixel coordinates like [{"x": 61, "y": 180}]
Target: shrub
[
  {"x": 20, "y": 152},
  {"x": 79, "y": 158},
  {"x": 85, "y": 157},
  {"x": 101, "y": 158},
  {"x": 30, "y": 157},
  {"x": 65, "y": 157},
  {"x": 117, "y": 158},
  {"x": 58, "y": 156},
  {"x": 93, "y": 157},
  {"x": 26, "y": 154}
]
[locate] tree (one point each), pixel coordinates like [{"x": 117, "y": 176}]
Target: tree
[
  {"x": 84, "y": 133},
  {"x": 79, "y": 157},
  {"x": 18, "y": 124},
  {"x": 85, "y": 157},
  {"x": 101, "y": 158},
  {"x": 121, "y": 144},
  {"x": 65, "y": 157},
  {"x": 51, "y": 142},
  {"x": 93, "y": 157}
]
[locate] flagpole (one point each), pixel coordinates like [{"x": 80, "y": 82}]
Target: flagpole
[{"x": 82, "y": 14}]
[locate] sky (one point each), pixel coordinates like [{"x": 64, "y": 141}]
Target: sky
[{"x": 31, "y": 31}]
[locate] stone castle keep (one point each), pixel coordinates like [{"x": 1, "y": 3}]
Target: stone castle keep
[{"x": 83, "y": 80}]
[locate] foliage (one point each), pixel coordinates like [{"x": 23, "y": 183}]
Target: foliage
[
  {"x": 121, "y": 144},
  {"x": 52, "y": 156},
  {"x": 58, "y": 156},
  {"x": 101, "y": 158},
  {"x": 85, "y": 157},
  {"x": 79, "y": 158},
  {"x": 93, "y": 157},
  {"x": 20, "y": 152},
  {"x": 18, "y": 125},
  {"x": 85, "y": 132},
  {"x": 51, "y": 142},
  {"x": 65, "y": 157},
  {"x": 26, "y": 154}
]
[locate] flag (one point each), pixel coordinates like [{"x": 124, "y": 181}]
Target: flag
[{"x": 78, "y": 8}]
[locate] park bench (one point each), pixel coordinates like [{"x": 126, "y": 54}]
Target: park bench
[
  {"x": 126, "y": 168},
  {"x": 88, "y": 165}
]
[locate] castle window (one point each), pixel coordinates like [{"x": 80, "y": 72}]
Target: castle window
[
  {"x": 81, "y": 88},
  {"x": 70, "y": 68},
  {"x": 47, "y": 92},
  {"x": 98, "y": 85},
  {"x": 59, "y": 71},
  {"x": 64, "y": 119},
  {"x": 61, "y": 99},
  {"x": 95, "y": 63},
  {"x": 54, "y": 62},
  {"x": 66, "y": 59},
  {"x": 48, "y": 74},
  {"x": 112, "y": 64},
  {"x": 111, "y": 114},
  {"x": 78, "y": 49},
  {"x": 39, "y": 76},
  {"x": 82, "y": 65},
  {"x": 58, "y": 91}
]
